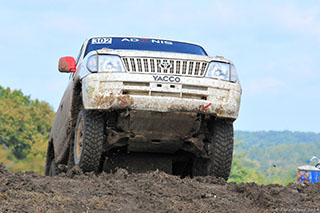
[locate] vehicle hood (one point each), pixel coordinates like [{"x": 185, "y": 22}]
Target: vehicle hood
[{"x": 157, "y": 54}]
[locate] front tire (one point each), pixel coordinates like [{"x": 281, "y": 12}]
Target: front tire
[
  {"x": 220, "y": 148},
  {"x": 88, "y": 140}
]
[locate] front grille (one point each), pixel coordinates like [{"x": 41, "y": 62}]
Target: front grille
[{"x": 177, "y": 67}]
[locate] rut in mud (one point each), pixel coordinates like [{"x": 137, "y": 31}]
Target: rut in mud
[{"x": 155, "y": 191}]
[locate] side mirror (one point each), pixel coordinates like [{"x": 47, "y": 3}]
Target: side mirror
[{"x": 67, "y": 64}]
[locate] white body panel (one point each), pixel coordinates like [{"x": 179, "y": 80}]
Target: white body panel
[{"x": 124, "y": 90}]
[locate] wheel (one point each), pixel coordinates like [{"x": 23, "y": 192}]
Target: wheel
[
  {"x": 220, "y": 148},
  {"x": 53, "y": 170},
  {"x": 88, "y": 140},
  {"x": 51, "y": 167}
]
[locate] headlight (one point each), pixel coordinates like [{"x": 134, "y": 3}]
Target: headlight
[
  {"x": 219, "y": 70},
  {"x": 234, "y": 75},
  {"x": 92, "y": 63},
  {"x": 105, "y": 63}
]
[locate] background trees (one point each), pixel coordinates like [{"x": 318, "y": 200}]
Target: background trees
[
  {"x": 24, "y": 130},
  {"x": 272, "y": 156}
]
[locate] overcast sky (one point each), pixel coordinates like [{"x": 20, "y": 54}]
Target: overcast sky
[{"x": 274, "y": 44}]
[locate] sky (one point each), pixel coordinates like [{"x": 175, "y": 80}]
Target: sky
[{"x": 275, "y": 46}]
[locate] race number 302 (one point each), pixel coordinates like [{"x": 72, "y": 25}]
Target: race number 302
[{"x": 101, "y": 41}]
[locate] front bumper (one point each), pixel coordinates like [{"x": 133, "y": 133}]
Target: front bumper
[{"x": 109, "y": 91}]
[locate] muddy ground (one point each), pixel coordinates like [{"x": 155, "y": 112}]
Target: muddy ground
[{"x": 155, "y": 191}]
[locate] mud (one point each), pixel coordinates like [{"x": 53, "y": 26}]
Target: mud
[
  {"x": 73, "y": 191},
  {"x": 102, "y": 101}
]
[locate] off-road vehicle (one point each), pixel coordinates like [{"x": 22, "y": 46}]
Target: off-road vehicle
[{"x": 146, "y": 103}]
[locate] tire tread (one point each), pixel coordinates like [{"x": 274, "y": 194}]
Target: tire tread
[
  {"x": 93, "y": 138},
  {"x": 221, "y": 148}
]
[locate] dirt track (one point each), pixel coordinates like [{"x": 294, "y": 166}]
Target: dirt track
[{"x": 147, "y": 192}]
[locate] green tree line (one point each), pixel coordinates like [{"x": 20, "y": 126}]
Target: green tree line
[
  {"x": 272, "y": 156},
  {"x": 24, "y": 130}
]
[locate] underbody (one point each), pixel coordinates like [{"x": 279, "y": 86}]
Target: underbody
[
  {"x": 142, "y": 131},
  {"x": 147, "y": 140}
]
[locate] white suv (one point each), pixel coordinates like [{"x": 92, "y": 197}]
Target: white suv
[{"x": 146, "y": 95}]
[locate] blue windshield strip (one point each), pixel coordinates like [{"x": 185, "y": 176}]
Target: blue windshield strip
[{"x": 143, "y": 44}]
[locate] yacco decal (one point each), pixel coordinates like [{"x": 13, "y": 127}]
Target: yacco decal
[
  {"x": 166, "y": 78},
  {"x": 154, "y": 41},
  {"x": 101, "y": 41}
]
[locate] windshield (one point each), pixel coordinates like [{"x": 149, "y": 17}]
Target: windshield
[{"x": 143, "y": 44}]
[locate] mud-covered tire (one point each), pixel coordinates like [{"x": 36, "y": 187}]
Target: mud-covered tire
[
  {"x": 88, "y": 140},
  {"x": 53, "y": 170},
  {"x": 220, "y": 148}
]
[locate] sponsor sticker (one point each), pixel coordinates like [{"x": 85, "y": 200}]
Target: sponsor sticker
[
  {"x": 101, "y": 41},
  {"x": 204, "y": 108},
  {"x": 153, "y": 41},
  {"x": 90, "y": 90},
  {"x": 167, "y": 78}
]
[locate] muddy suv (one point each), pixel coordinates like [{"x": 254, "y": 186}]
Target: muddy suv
[{"x": 145, "y": 103}]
